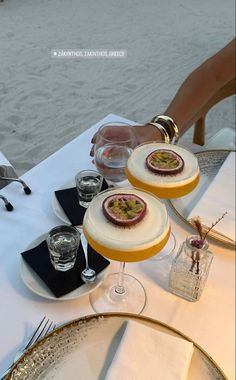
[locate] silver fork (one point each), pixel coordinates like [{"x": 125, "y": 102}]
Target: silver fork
[{"x": 41, "y": 330}]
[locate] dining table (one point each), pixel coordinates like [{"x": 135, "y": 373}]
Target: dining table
[{"x": 209, "y": 322}]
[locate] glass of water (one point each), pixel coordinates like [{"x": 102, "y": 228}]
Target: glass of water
[
  {"x": 114, "y": 144},
  {"x": 63, "y": 243},
  {"x": 88, "y": 184}
]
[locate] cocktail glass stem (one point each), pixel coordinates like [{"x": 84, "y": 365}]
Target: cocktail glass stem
[{"x": 120, "y": 289}]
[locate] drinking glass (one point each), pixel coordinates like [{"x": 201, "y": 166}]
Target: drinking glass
[
  {"x": 63, "y": 243},
  {"x": 88, "y": 184},
  {"x": 120, "y": 291},
  {"x": 114, "y": 144}
]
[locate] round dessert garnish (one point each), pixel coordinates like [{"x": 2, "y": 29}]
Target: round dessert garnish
[
  {"x": 164, "y": 161},
  {"x": 124, "y": 209}
]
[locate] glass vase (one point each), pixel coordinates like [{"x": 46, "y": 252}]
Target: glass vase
[{"x": 190, "y": 270}]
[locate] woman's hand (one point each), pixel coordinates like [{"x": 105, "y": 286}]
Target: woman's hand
[
  {"x": 144, "y": 133},
  {"x": 148, "y": 132}
]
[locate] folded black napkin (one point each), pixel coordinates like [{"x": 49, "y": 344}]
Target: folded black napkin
[
  {"x": 68, "y": 200},
  {"x": 61, "y": 283}
]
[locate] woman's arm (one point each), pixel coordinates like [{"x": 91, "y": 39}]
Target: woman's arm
[
  {"x": 198, "y": 89},
  {"x": 195, "y": 92},
  {"x": 201, "y": 85}
]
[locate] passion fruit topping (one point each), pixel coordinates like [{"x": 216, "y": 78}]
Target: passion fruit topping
[
  {"x": 164, "y": 161},
  {"x": 124, "y": 209}
]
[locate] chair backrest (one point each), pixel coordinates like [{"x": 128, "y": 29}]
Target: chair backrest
[{"x": 227, "y": 90}]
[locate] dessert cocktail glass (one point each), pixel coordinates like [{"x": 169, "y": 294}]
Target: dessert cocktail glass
[
  {"x": 121, "y": 291},
  {"x": 164, "y": 185}
]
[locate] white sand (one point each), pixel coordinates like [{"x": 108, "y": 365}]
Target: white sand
[{"x": 46, "y": 102}]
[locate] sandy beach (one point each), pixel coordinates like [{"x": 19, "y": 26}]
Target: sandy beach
[{"x": 46, "y": 101}]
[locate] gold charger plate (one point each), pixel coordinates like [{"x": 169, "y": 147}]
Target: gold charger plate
[
  {"x": 84, "y": 348},
  {"x": 210, "y": 162}
]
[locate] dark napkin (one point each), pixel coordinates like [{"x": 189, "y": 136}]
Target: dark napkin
[
  {"x": 61, "y": 283},
  {"x": 68, "y": 200}
]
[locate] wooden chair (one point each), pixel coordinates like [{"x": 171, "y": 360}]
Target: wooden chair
[{"x": 199, "y": 120}]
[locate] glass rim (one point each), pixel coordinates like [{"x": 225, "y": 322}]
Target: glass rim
[
  {"x": 177, "y": 148},
  {"x": 149, "y": 142},
  {"x": 196, "y": 237},
  {"x": 116, "y": 124},
  {"x": 123, "y": 190},
  {"x": 92, "y": 171},
  {"x": 69, "y": 228}
]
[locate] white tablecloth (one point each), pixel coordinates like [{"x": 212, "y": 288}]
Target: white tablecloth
[{"x": 209, "y": 322}]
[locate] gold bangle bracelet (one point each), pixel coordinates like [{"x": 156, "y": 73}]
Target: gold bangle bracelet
[
  {"x": 171, "y": 125},
  {"x": 163, "y": 132}
]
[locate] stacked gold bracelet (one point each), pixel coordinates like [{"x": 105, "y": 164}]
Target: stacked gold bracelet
[
  {"x": 167, "y": 124},
  {"x": 166, "y": 137}
]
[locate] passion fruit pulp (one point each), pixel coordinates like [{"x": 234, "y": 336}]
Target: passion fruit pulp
[
  {"x": 165, "y": 161},
  {"x": 124, "y": 209}
]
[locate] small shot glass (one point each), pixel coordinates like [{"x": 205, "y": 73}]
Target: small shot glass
[
  {"x": 88, "y": 184},
  {"x": 63, "y": 243}
]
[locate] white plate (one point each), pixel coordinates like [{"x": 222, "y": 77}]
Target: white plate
[
  {"x": 83, "y": 349},
  {"x": 36, "y": 285},
  {"x": 210, "y": 162}
]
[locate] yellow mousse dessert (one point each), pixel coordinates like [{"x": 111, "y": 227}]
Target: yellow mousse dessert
[
  {"x": 128, "y": 242},
  {"x": 146, "y": 168}
]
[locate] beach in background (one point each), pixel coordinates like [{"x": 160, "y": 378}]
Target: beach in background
[{"x": 46, "y": 101}]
